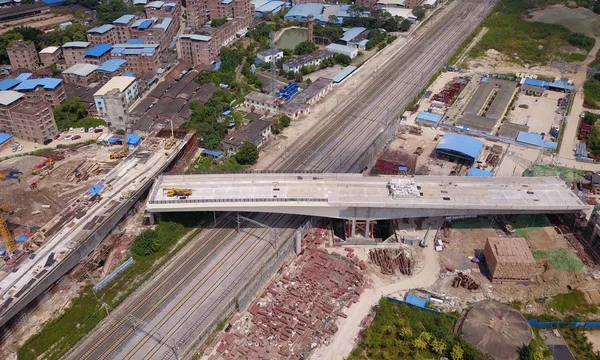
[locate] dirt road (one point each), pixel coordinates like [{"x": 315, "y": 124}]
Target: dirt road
[{"x": 342, "y": 343}]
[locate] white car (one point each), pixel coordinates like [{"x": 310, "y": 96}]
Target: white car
[
  {"x": 100, "y": 126},
  {"x": 20, "y": 148},
  {"x": 82, "y": 130},
  {"x": 71, "y": 130},
  {"x": 67, "y": 137}
]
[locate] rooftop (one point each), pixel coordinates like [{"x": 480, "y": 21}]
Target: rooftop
[
  {"x": 8, "y": 97},
  {"x": 342, "y": 74},
  {"x": 118, "y": 82},
  {"x": 251, "y": 133},
  {"x": 31, "y": 84},
  {"x": 125, "y": 19},
  {"x": 101, "y": 29},
  {"x": 81, "y": 69},
  {"x": 265, "y": 98},
  {"x": 196, "y": 37},
  {"x": 303, "y": 10},
  {"x": 164, "y": 24},
  {"x": 303, "y": 96},
  {"x": 270, "y": 6},
  {"x": 9, "y": 83},
  {"x": 76, "y": 44},
  {"x": 111, "y": 65},
  {"x": 134, "y": 49},
  {"x": 49, "y": 50},
  {"x": 352, "y": 33},
  {"x": 270, "y": 52},
  {"x": 463, "y": 144},
  {"x": 98, "y": 50},
  {"x": 307, "y": 59}
]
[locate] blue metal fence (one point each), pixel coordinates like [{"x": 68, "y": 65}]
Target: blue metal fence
[
  {"x": 587, "y": 324},
  {"x": 112, "y": 275}
]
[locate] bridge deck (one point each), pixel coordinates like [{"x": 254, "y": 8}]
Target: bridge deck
[{"x": 264, "y": 191}]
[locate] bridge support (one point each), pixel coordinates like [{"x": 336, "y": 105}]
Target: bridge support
[{"x": 360, "y": 228}]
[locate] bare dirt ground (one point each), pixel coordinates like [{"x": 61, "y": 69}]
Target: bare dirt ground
[
  {"x": 577, "y": 20},
  {"x": 46, "y": 20},
  {"x": 594, "y": 337},
  {"x": 495, "y": 62}
]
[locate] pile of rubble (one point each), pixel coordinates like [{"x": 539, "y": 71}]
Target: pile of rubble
[
  {"x": 392, "y": 261},
  {"x": 465, "y": 281},
  {"x": 297, "y": 311}
]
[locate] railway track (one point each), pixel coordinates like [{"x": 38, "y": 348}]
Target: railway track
[{"x": 341, "y": 142}]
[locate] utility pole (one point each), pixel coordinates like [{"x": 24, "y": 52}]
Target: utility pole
[{"x": 272, "y": 239}]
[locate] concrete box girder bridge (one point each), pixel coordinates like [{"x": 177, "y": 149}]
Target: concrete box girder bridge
[{"x": 356, "y": 197}]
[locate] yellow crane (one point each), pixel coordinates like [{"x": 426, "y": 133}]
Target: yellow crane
[
  {"x": 178, "y": 192},
  {"x": 9, "y": 241},
  {"x": 123, "y": 153}
]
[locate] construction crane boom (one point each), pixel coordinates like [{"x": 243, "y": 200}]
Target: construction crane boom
[{"x": 9, "y": 241}]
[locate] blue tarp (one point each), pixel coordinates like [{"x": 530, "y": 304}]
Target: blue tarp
[
  {"x": 536, "y": 140},
  {"x": 479, "y": 172},
  {"x": 217, "y": 66},
  {"x": 96, "y": 188},
  {"x": 2, "y": 251},
  {"x": 4, "y": 137},
  {"x": 227, "y": 113},
  {"x": 415, "y": 300},
  {"x": 534, "y": 82},
  {"x": 115, "y": 140},
  {"x": 402, "y": 168},
  {"x": 21, "y": 238},
  {"x": 461, "y": 145},
  {"x": 133, "y": 140},
  {"x": 212, "y": 153}
]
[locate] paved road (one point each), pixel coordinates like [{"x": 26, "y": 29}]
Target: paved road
[{"x": 172, "y": 308}]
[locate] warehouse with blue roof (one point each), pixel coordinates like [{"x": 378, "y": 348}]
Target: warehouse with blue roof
[
  {"x": 536, "y": 140},
  {"x": 459, "y": 147},
  {"x": 479, "y": 172},
  {"x": 270, "y": 8},
  {"x": 427, "y": 118}
]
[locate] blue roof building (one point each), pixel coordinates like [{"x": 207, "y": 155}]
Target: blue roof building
[
  {"x": 479, "y": 172},
  {"x": 416, "y": 300},
  {"x": 111, "y": 65},
  {"x": 123, "y": 20},
  {"x": 536, "y": 140},
  {"x": 270, "y": 8},
  {"x": 4, "y": 137},
  {"x": 103, "y": 29},
  {"x": 301, "y": 12},
  {"x": 535, "y": 82},
  {"x": 32, "y": 84},
  {"x": 98, "y": 50},
  {"x": 135, "y": 41},
  {"x": 428, "y": 118},
  {"x": 24, "y": 76},
  {"x": 459, "y": 146},
  {"x": 76, "y": 44},
  {"x": 134, "y": 49},
  {"x": 8, "y": 83}
]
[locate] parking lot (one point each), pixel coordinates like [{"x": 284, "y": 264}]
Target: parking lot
[
  {"x": 539, "y": 113},
  {"x": 29, "y": 146}
]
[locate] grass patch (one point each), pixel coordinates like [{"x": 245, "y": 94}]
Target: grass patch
[
  {"x": 403, "y": 332},
  {"x": 516, "y": 304},
  {"x": 509, "y": 33},
  {"x": 571, "y": 57},
  {"x": 565, "y": 173},
  {"x": 59, "y": 335},
  {"x": 474, "y": 223},
  {"x": 524, "y": 224},
  {"x": 572, "y": 302},
  {"x": 205, "y": 164},
  {"x": 578, "y": 343},
  {"x": 591, "y": 92},
  {"x": 561, "y": 259}
]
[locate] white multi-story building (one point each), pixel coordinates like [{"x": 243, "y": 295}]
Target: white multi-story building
[{"x": 113, "y": 99}]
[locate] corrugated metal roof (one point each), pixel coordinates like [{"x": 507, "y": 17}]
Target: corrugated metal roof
[
  {"x": 98, "y": 50},
  {"x": 4, "y": 137},
  {"x": 196, "y": 37},
  {"x": 111, "y": 65},
  {"x": 156, "y": 4},
  {"x": 213, "y": 153},
  {"x": 124, "y": 19},
  {"x": 9, "y": 83},
  {"x": 145, "y": 24},
  {"x": 343, "y": 73},
  {"x": 164, "y": 24},
  {"x": 81, "y": 69},
  {"x": 479, "y": 172},
  {"x": 9, "y": 96},
  {"x": 47, "y": 83},
  {"x": 49, "y": 50},
  {"x": 24, "y": 76},
  {"x": 139, "y": 2},
  {"x": 341, "y": 49},
  {"x": 352, "y": 33},
  {"x": 137, "y": 22},
  {"x": 535, "y": 140},
  {"x": 303, "y": 10},
  {"x": 535, "y": 82},
  {"x": 135, "y": 41},
  {"x": 429, "y": 117},
  {"x": 101, "y": 29},
  {"x": 76, "y": 44},
  {"x": 226, "y": 2},
  {"x": 415, "y": 300},
  {"x": 462, "y": 144}
]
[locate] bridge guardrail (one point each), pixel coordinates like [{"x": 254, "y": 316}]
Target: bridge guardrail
[{"x": 192, "y": 201}]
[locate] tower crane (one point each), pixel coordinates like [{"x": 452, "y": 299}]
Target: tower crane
[{"x": 9, "y": 241}]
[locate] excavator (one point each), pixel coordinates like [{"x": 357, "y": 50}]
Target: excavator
[
  {"x": 178, "y": 192},
  {"x": 7, "y": 237},
  {"x": 11, "y": 174},
  {"x": 123, "y": 153}
]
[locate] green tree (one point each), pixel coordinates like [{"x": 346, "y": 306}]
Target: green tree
[
  {"x": 108, "y": 12},
  {"x": 355, "y": 10},
  {"x": 120, "y": 132},
  {"x": 420, "y": 344},
  {"x": 308, "y": 81},
  {"x": 218, "y": 22},
  {"x": 427, "y": 337},
  {"x": 342, "y": 59},
  {"x": 247, "y": 154},
  {"x": 419, "y": 12},
  {"x": 285, "y": 120},
  {"x": 406, "y": 332},
  {"x": 438, "y": 347},
  {"x": 593, "y": 141},
  {"x": 69, "y": 112},
  {"x": 457, "y": 353},
  {"x": 305, "y": 47},
  {"x": 404, "y": 25},
  {"x": 332, "y": 19}
]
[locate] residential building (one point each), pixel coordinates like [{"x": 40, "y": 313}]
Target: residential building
[
  {"x": 104, "y": 34},
  {"x": 266, "y": 56},
  {"x": 258, "y": 132},
  {"x": 73, "y": 52},
  {"x": 113, "y": 99},
  {"x": 313, "y": 60},
  {"x": 202, "y": 47},
  {"x": 81, "y": 74},
  {"x": 141, "y": 58},
  {"x": 161, "y": 10},
  {"x": 122, "y": 26},
  {"x": 97, "y": 54},
  {"x": 264, "y": 103},
  {"x": 49, "y": 89},
  {"x": 154, "y": 31},
  {"x": 343, "y": 49},
  {"x": 50, "y": 55},
  {"x": 354, "y": 37},
  {"x": 29, "y": 119},
  {"x": 22, "y": 55},
  {"x": 300, "y": 105},
  {"x": 367, "y": 4},
  {"x": 199, "y": 12},
  {"x": 109, "y": 69}
]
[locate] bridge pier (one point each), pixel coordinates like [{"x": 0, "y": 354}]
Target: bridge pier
[{"x": 356, "y": 227}]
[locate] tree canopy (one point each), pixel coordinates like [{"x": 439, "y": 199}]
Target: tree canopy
[
  {"x": 218, "y": 22},
  {"x": 305, "y": 47},
  {"x": 379, "y": 19},
  {"x": 247, "y": 154},
  {"x": 108, "y": 12}
]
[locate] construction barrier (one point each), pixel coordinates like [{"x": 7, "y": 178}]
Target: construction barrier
[
  {"x": 586, "y": 324},
  {"x": 112, "y": 275}
]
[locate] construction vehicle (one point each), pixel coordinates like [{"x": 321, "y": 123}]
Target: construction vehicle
[
  {"x": 123, "y": 153},
  {"x": 11, "y": 174},
  {"x": 9, "y": 241},
  {"x": 49, "y": 162},
  {"x": 178, "y": 192}
]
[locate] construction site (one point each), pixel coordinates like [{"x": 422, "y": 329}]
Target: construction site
[{"x": 61, "y": 206}]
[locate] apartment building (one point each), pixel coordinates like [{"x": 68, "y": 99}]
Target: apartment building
[
  {"x": 141, "y": 58},
  {"x": 109, "y": 69},
  {"x": 22, "y": 55},
  {"x": 202, "y": 47},
  {"x": 313, "y": 60},
  {"x": 113, "y": 99},
  {"x": 201, "y": 11},
  {"x": 49, "y": 89},
  {"x": 29, "y": 119},
  {"x": 104, "y": 34},
  {"x": 161, "y": 10},
  {"x": 81, "y": 74},
  {"x": 73, "y": 52},
  {"x": 154, "y": 31},
  {"x": 50, "y": 55},
  {"x": 122, "y": 26},
  {"x": 97, "y": 54}
]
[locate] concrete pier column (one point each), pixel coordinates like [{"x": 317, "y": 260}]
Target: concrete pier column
[
  {"x": 353, "y": 228},
  {"x": 150, "y": 218},
  {"x": 367, "y": 228},
  {"x": 298, "y": 244}
]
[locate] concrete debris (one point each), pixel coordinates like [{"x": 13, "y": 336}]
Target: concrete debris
[
  {"x": 392, "y": 261},
  {"x": 465, "y": 281}
]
